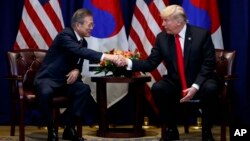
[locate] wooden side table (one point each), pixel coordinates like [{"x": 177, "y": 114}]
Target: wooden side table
[{"x": 137, "y": 84}]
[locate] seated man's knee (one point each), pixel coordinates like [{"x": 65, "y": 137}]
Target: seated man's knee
[
  {"x": 210, "y": 91},
  {"x": 210, "y": 88},
  {"x": 87, "y": 88},
  {"x": 156, "y": 87},
  {"x": 46, "y": 92},
  {"x": 84, "y": 90}
]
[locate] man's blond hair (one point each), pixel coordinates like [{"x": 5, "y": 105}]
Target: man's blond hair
[{"x": 174, "y": 10}]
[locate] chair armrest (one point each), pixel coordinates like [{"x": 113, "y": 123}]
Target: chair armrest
[
  {"x": 18, "y": 84},
  {"x": 193, "y": 101},
  {"x": 15, "y": 77},
  {"x": 20, "y": 90},
  {"x": 227, "y": 79},
  {"x": 230, "y": 77}
]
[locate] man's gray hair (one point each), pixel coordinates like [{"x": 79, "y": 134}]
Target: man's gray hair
[{"x": 79, "y": 16}]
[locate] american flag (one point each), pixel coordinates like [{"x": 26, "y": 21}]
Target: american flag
[
  {"x": 40, "y": 23},
  {"x": 146, "y": 24}
]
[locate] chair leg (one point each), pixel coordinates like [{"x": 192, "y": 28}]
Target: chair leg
[
  {"x": 79, "y": 129},
  {"x": 186, "y": 128},
  {"x": 12, "y": 129},
  {"x": 13, "y": 118},
  {"x": 163, "y": 131},
  {"x": 223, "y": 132},
  {"x": 186, "y": 120},
  {"x": 224, "y": 121},
  {"x": 55, "y": 115},
  {"x": 21, "y": 122},
  {"x": 225, "y": 112}
]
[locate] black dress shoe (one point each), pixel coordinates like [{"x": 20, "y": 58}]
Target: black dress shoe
[
  {"x": 52, "y": 134},
  {"x": 70, "y": 133},
  {"x": 207, "y": 135},
  {"x": 171, "y": 134}
]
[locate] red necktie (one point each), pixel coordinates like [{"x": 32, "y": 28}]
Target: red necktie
[{"x": 180, "y": 63}]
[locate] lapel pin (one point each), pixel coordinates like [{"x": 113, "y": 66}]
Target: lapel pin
[{"x": 189, "y": 38}]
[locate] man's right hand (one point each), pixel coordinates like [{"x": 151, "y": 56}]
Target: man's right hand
[
  {"x": 190, "y": 92},
  {"x": 119, "y": 60}
]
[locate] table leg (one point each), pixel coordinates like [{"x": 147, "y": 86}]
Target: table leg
[
  {"x": 101, "y": 96},
  {"x": 139, "y": 98}
]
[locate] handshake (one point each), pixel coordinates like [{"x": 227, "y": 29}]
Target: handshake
[{"x": 119, "y": 60}]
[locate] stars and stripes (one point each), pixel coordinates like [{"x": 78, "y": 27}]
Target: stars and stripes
[
  {"x": 40, "y": 23},
  {"x": 146, "y": 24}
]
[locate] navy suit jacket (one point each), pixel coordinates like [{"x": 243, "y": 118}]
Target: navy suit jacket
[
  {"x": 64, "y": 55},
  {"x": 199, "y": 56}
]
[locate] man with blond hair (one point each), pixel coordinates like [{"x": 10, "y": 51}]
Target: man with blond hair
[{"x": 197, "y": 79}]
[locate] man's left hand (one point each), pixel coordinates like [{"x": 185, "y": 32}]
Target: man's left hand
[{"x": 72, "y": 76}]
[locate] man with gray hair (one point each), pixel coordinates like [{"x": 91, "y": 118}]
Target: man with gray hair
[
  {"x": 189, "y": 55},
  {"x": 61, "y": 72}
]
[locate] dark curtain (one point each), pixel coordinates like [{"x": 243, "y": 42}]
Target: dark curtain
[
  {"x": 235, "y": 31},
  {"x": 10, "y": 14},
  {"x": 235, "y": 27}
]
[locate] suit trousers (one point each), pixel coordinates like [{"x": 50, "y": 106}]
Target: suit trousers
[
  {"x": 167, "y": 95},
  {"x": 78, "y": 93}
]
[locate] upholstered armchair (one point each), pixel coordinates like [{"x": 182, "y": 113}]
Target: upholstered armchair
[
  {"x": 23, "y": 65},
  {"x": 224, "y": 67}
]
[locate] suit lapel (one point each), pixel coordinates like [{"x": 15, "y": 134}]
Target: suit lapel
[
  {"x": 187, "y": 46},
  {"x": 172, "y": 50}
]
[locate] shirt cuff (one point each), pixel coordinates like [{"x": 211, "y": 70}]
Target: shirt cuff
[
  {"x": 196, "y": 86},
  {"x": 102, "y": 57},
  {"x": 129, "y": 66}
]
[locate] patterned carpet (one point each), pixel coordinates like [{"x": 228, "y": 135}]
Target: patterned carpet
[{"x": 33, "y": 133}]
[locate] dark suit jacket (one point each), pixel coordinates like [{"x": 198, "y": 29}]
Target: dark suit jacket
[
  {"x": 64, "y": 55},
  {"x": 199, "y": 56}
]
